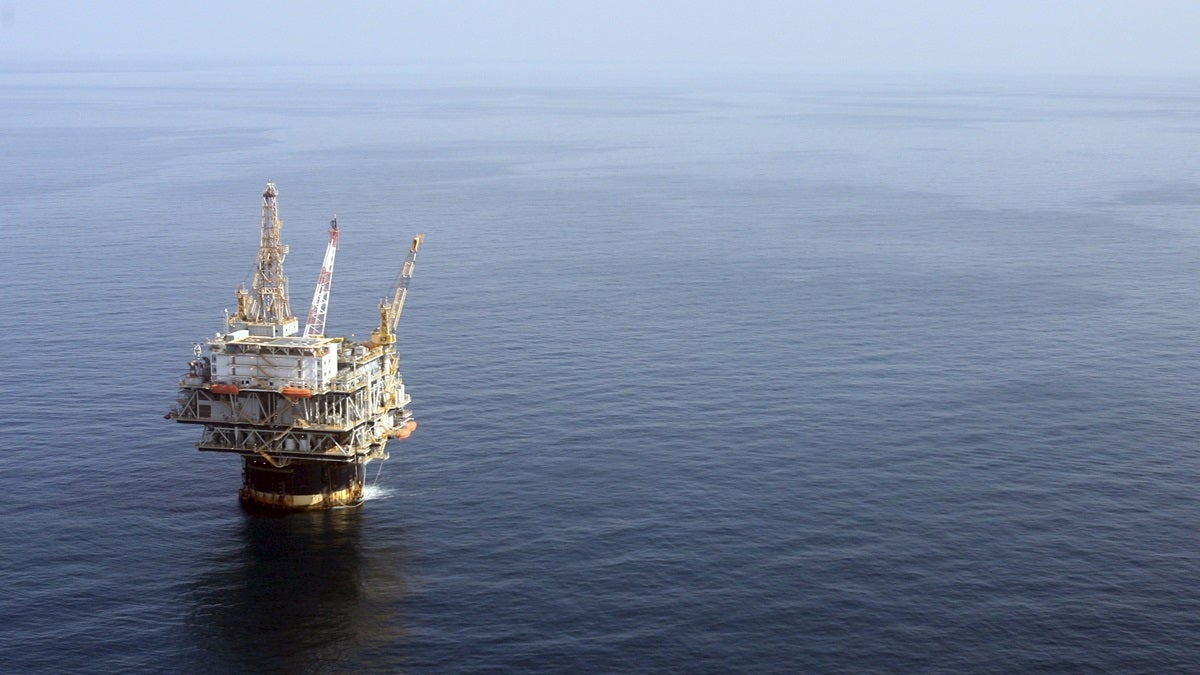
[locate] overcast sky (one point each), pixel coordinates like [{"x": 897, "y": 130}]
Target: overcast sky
[{"x": 1117, "y": 36}]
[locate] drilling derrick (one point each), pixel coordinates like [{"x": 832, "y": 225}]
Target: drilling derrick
[
  {"x": 264, "y": 310},
  {"x": 307, "y": 413}
]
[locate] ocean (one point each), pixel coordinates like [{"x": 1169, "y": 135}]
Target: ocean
[{"x": 713, "y": 373}]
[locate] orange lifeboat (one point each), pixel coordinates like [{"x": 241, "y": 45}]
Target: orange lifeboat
[
  {"x": 231, "y": 389},
  {"x": 403, "y": 431},
  {"x": 296, "y": 392}
]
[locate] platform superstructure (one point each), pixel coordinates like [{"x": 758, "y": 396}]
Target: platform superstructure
[{"x": 306, "y": 412}]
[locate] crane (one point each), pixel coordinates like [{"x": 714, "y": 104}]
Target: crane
[
  {"x": 389, "y": 310},
  {"x": 320, "y": 302}
]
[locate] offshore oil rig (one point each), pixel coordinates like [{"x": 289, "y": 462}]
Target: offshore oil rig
[{"x": 305, "y": 411}]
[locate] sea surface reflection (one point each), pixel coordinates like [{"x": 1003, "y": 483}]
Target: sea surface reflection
[{"x": 300, "y": 593}]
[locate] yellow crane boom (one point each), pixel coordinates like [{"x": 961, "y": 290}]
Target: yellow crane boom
[{"x": 392, "y": 306}]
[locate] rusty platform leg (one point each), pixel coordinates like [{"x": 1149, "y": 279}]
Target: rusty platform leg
[{"x": 300, "y": 485}]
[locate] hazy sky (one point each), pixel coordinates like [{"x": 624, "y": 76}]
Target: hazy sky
[{"x": 1122, "y": 36}]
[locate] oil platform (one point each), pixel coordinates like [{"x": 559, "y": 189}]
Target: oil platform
[{"x": 305, "y": 411}]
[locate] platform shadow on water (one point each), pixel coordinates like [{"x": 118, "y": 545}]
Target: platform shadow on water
[{"x": 300, "y": 593}]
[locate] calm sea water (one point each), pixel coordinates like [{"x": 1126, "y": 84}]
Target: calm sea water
[{"x": 713, "y": 374}]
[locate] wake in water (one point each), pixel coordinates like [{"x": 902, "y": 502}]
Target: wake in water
[
  {"x": 377, "y": 492},
  {"x": 370, "y": 493}
]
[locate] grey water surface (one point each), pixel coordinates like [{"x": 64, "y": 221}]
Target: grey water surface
[{"x": 713, "y": 375}]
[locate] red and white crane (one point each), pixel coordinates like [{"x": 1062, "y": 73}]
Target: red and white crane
[{"x": 320, "y": 303}]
